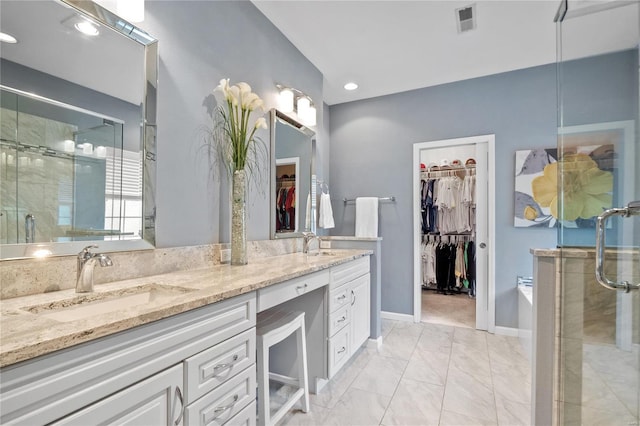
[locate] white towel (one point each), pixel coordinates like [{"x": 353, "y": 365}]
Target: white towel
[
  {"x": 367, "y": 217},
  {"x": 326, "y": 212}
]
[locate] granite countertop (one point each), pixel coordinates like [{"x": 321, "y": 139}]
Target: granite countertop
[
  {"x": 29, "y": 327},
  {"x": 584, "y": 252}
]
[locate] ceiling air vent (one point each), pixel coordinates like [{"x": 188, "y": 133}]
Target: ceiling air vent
[{"x": 466, "y": 18}]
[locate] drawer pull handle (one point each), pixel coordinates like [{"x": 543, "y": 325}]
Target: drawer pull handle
[
  {"x": 219, "y": 410},
  {"x": 178, "y": 396},
  {"x": 344, "y": 296},
  {"x": 343, "y": 319},
  {"x": 226, "y": 364},
  {"x": 302, "y": 287},
  {"x": 353, "y": 295},
  {"x": 342, "y": 350}
]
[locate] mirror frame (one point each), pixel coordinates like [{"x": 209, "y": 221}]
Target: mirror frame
[
  {"x": 275, "y": 117},
  {"x": 147, "y": 144}
]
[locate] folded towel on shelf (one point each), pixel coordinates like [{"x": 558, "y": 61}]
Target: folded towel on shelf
[
  {"x": 367, "y": 217},
  {"x": 326, "y": 212}
]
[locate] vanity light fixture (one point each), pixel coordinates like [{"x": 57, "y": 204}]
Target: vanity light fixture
[
  {"x": 7, "y": 38},
  {"x": 293, "y": 100},
  {"x": 351, "y": 86}
]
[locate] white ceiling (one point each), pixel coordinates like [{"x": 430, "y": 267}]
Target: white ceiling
[{"x": 395, "y": 46}]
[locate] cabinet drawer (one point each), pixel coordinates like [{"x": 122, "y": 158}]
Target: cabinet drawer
[
  {"x": 246, "y": 417},
  {"x": 274, "y": 295},
  {"x": 348, "y": 271},
  {"x": 150, "y": 402},
  {"x": 221, "y": 404},
  {"x": 210, "y": 368},
  {"x": 339, "y": 297},
  {"x": 339, "y": 319},
  {"x": 339, "y": 350}
]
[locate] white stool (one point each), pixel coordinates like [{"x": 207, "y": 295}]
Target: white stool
[{"x": 274, "y": 326}]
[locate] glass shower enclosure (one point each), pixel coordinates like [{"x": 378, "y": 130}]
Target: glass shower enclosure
[{"x": 598, "y": 188}]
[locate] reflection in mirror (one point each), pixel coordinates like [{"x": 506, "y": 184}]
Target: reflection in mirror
[
  {"x": 66, "y": 175},
  {"x": 77, "y": 151},
  {"x": 291, "y": 176}
]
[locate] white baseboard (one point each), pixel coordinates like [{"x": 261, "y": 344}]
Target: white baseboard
[
  {"x": 506, "y": 331},
  {"x": 374, "y": 343},
  {"x": 395, "y": 316}
]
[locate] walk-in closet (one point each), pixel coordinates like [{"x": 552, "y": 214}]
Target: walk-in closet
[{"x": 448, "y": 235}]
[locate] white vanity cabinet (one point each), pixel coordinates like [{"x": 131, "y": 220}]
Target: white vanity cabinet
[
  {"x": 154, "y": 401},
  {"x": 349, "y": 311},
  {"x": 198, "y": 363}
]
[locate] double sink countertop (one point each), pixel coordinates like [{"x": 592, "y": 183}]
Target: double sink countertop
[{"x": 35, "y": 325}]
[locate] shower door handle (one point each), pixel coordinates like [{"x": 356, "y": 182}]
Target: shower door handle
[{"x": 633, "y": 209}]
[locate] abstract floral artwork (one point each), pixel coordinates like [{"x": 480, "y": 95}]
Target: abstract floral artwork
[{"x": 573, "y": 187}]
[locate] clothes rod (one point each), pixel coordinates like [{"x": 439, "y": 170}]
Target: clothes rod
[{"x": 382, "y": 199}]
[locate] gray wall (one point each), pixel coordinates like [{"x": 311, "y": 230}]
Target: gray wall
[
  {"x": 201, "y": 42},
  {"x": 371, "y": 155}
]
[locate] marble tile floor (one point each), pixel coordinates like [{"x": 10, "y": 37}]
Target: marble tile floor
[
  {"x": 458, "y": 310},
  {"x": 427, "y": 374},
  {"x": 610, "y": 385}
]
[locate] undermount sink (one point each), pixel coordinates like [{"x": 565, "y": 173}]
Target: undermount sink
[{"x": 88, "y": 305}]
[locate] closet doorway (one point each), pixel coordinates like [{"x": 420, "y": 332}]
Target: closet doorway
[{"x": 444, "y": 156}]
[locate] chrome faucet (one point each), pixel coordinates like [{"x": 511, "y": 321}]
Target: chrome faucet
[
  {"x": 86, "y": 264},
  {"x": 308, "y": 237}
]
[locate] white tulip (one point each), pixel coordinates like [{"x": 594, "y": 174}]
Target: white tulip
[
  {"x": 233, "y": 95},
  {"x": 223, "y": 87},
  {"x": 261, "y": 123},
  {"x": 244, "y": 88},
  {"x": 258, "y": 103},
  {"x": 248, "y": 99}
]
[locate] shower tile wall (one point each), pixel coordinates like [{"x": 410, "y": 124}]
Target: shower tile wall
[
  {"x": 45, "y": 181},
  {"x": 591, "y": 324}
]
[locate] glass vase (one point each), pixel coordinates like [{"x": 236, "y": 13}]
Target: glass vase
[{"x": 238, "y": 219}]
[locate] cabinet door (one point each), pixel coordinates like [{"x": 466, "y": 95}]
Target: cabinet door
[
  {"x": 360, "y": 311},
  {"x": 154, "y": 401}
]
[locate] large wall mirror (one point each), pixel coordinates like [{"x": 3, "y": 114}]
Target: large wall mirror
[
  {"x": 292, "y": 177},
  {"x": 77, "y": 139}
]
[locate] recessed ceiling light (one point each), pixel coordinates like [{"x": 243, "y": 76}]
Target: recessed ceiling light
[
  {"x": 7, "y": 38},
  {"x": 88, "y": 28},
  {"x": 351, "y": 86}
]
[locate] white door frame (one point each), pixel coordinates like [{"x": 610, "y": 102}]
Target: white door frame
[{"x": 483, "y": 320}]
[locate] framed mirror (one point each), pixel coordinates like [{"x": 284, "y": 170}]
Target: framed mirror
[
  {"x": 78, "y": 120},
  {"x": 292, "y": 177}
]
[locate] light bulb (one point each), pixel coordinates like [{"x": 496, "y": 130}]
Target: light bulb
[
  {"x": 285, "y": 100},
  {"x": 303, "y": 106},
  {"x": 310, "y": 119}
]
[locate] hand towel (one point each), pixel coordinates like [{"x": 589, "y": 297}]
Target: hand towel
[
  {"x": 366, "y": 216},
  {"x": 326, "y": 212}
]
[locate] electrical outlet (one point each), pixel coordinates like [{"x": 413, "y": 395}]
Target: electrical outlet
[
  {"x": 225, "y": 255},
  {"x": 325, "y": 244}
]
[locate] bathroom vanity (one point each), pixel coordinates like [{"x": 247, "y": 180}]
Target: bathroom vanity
[{"x": 176, "y": 347}]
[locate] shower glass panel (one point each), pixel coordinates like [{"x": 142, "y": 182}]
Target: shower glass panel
[
  {"x": 597, "y": 167},
  {"x": 60, "y": 172}
]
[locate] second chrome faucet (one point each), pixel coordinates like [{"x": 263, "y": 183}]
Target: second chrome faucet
[
  {"x": 86, "y": 263},
  {"x": 308, "y": 238}
]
